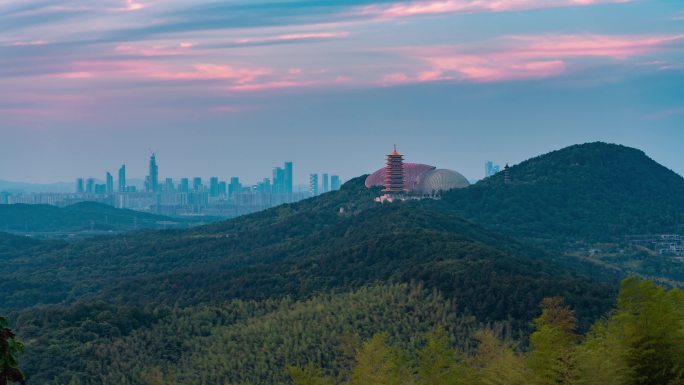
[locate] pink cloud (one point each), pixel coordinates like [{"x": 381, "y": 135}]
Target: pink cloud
[
  {"x": 72, "y": 75},
  {"x": 294, "y": 37},
  {"x": 528, "y": 57},
  {"x": 217, "y": 72},
  {"x": 29, "y": 43},
  {"x": 133, "y": 5},
  {"x": 432, "y": 7},
  {"x": 395, "y": 78},
  {"x": 154, "y": 49},
  {"x": 618, "y": 47}
]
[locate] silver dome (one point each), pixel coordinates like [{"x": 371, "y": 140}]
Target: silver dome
[{"x": 439, "y": 180}]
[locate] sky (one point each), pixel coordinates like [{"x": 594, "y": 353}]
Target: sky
[{"x": 234, "y": 88}]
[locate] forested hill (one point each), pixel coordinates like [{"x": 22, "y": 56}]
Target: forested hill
[
  {"x": 291, "y": 283},
  {"x": 231, "y": 281},
  {"x": 594, "y": 191},
  {"x": 84, "y": 216}
]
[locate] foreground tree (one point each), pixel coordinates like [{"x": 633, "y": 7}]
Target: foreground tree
[
  {"x": 650, "y": 323},
  {"x": 553, "y": 344},
  {"x": 9, "y": 349}
]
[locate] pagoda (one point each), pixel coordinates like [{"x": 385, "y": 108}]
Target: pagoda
[{"x": 395, "y": 183}]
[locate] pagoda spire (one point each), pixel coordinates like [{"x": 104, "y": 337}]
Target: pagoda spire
[{"x": 395, "y": 181}]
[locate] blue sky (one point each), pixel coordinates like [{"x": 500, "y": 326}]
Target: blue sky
[{"x": 234, "y": 88}]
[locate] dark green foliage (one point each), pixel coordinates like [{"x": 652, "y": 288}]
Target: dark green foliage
[
  {"x": 590, "y": 191},
  {"x": 9, "y": 351},
  {"x": 641, "y": 343},
  {"x": 83, "y": 216},
  {"x": 244, "y": 299}
]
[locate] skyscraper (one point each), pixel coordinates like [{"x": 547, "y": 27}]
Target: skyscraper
[
  {"x": 235, "y": 187},
  {"x": 90, "y": 186},
  {"x": 153, "y": 177},
  {"x": 184, "y": 185},
  {"x": 110, "y": 183},
  {"x": 313, "y": 184},
  {"x": 168, "y": 185},
  {"x": 213, "y": 186},
  {"x": 326, "y": 183},
  {"x": 197, "y": 183},
  {"x": 122, "y": 178},
  {"x": 279, "y": 180},
  {"x": 491, "y": 168},
  {"x": 335, "y": 182},
  {"x": 80, "y": 186},
  {"x": 288, "y": 178}
]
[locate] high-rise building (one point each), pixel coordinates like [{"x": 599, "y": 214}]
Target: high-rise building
[
  {"x": 110, "y": 183},
  {"x": 122, "y": 178},
  {"x": 235, "y": 187},
  {"x": 279, "y": 180},
  {"x": 184, "y": 185},
  {"x": 222, "y": 189},
  {"x": 313, "y": 184},
  {"x": 90, "y": 186},
  {"x": 80, "y": 186},
  {"x": 100, "y": 189},
  {"x": 394, "y": 173},
  {"x": 168, "y": 185},
  {"x": 213, "y": 186},
  {"x": 491, "y": 168},
  {"x": 153, "y": 177},
  {"x": 197, "y": 184},
  {"x": 288, "y": 178},
  {"x": 335, "y": 183},
  {"x": 326, "y": 183}
]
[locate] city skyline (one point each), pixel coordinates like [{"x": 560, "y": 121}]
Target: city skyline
[{"x": 232, "y": 88}]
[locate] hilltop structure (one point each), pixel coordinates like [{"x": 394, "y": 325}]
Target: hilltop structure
[{"x": 413, "y": 180}]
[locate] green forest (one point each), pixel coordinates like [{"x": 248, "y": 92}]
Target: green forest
[
  {"x": 316, "y": 291},
  {"x": 641, "y": 342}
]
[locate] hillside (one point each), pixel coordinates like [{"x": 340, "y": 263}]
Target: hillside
[
  {"x": 305, "y": 278},
  {"x": 129, "y": 289},
  {"x": 84, "y": 216},
  {"x": 594, "y": 191}
]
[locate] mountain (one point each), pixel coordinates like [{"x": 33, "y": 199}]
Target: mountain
[
  {"x": 237, "y": 301},
  {"x": 594, "y": 191},
  {"x": 229, "y": 277},
  {"x": 84, "y": 216}
]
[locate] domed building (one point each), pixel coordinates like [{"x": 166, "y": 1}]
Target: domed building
[{"x": 421, "y": 179}]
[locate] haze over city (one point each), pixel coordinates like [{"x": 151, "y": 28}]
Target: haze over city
[{"x": 232, "y": 88}]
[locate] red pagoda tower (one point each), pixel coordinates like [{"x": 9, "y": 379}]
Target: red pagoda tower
[{"x": 395, "y": 183}]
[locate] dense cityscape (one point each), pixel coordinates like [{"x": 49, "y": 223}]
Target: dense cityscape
[{"x": 186, "y": 196}]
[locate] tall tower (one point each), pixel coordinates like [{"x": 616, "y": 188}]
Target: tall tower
[
  {"x": 394, "y": 173},
  {"x": 288, "y": 178},
  {"x": 110, "y": 183},
  {"x": 122, "y": 179},
  {"x": 326, "y": 183},
  {"x": 313, "y": 184},
  {"x": 335, "y": 182},
  {"x": 153, "y": 181}
]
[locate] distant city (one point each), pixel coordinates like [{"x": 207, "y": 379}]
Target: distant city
[{"x": 187, "y": 196}]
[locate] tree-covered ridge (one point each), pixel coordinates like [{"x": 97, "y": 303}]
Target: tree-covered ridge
[
  {"x": 83, "y": 216},
  {"x": 237, "y": 341},
  {"x": 640, "y": 343},
  {"x": 323, "y": 250},
  {"x": 589, "y": 191},
  {"x": 137, "y": 306}
]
